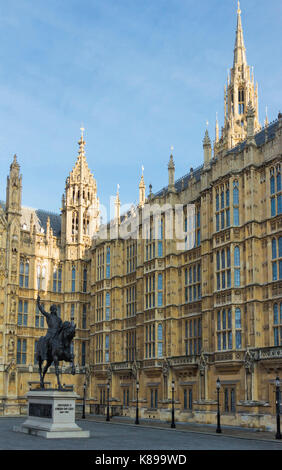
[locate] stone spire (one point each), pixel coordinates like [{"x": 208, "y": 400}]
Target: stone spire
[
  {"x": 239, "y": 49},
  {"x": 80, "y": 204},
  {"x": 240, "y": 90}
]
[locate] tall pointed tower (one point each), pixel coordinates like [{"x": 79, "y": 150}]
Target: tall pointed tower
[
  {"x": 239, "y": 93},
  {"x": 80, "y": 204}
]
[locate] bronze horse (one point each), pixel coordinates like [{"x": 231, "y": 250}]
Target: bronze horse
[{"x": 59, "y": 349}]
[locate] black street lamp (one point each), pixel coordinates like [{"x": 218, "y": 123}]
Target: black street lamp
[
  {"x": 137, "y": 409},
  {"x": 172, "y": 408},
  {"x": 218, "y": 429},
  {"x": 278, "y": 433},
  {"x": 84, "y": 396},
  {"x": 108, "y": 402}
]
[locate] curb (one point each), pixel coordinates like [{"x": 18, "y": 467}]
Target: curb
[{"x": 184, "y": 430}]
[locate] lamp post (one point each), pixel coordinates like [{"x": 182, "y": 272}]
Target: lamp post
[
  {"x": 277, "y": 383},
  {"x": 84, "y": 396},
  {"x": 137, "y": 410},
  {"x": 218, "y": 429},
  {"x": 108, "y": 402},
  {"x": 172, "y": 407}
]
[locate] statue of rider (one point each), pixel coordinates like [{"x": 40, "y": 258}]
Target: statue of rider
[{"x": 54, "y": 326}]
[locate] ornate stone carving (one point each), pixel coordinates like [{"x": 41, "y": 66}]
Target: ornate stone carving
[{"x": 249, "y": 361}]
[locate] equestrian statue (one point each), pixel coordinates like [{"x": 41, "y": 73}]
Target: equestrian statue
[{"x": 56, "y": 345}]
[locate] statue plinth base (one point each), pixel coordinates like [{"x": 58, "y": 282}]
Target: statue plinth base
[{"x": 51, "y": 414}]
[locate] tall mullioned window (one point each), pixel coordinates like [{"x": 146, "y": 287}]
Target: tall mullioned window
[
  {"x": 108, "y": 263},
  {"x": 276, "y": 249},
  {"x": 22, "y": 312},
  {"x": 107, "y": 348},
  {"x": 277, "y": 324},
  {"x": 130, "y": 346},
  {"x": 100, "y": 306},
  {"x": 193, "y": 336},
  {"x": 108, "y": 305},
  {"x": 21, "y": 351},
  {"x": 99, "y": 348},
  {"x": 193, "y": 283},
  {"x": 222, "y": 209},
  {"x": 131, "y": 256},
  {"x": 150, "y": 291},
  {"x": 131, "y": 301},
  {"x": 223, "y": 269},
  {"x": 160, "y": 290},
  {"x": 228, "y": 329},
  {"x": 224, "y": 330},
  {"x": 150, "y": 340},
  {"x": 24, "y": 273},
  {"x": 236, "y": 218},
  {"x": 275, "y": 191},
  {"x": 160, "y": 340},
  {"x": 100, "y": 264},
  {"x": 57, "y": 279},
  {"x": 237, "y": 271}
]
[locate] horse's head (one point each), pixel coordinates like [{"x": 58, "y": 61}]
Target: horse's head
[{"x": 68, "y": 329}]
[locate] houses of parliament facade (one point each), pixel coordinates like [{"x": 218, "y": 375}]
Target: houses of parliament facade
[{"x": 152, "y": 309}]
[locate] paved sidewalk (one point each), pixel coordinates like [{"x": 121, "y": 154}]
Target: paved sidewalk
[{"x": 230, "y": 431}]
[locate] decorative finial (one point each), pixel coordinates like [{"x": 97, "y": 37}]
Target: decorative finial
[
  {"x": 142, "y": 170},
  {"x": 82, "y": 130},
  {"x": 239, "y": 9},
  {"x": 81, "y": 143}
]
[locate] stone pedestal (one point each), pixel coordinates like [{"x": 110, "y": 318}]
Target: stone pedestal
[{"x": 51, "y": 414}]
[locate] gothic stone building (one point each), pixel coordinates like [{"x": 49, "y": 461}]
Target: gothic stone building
[{"x": 149, "y": 309}]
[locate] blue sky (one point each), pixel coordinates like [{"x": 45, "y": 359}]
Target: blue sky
[{"x": 141, "y": 75}]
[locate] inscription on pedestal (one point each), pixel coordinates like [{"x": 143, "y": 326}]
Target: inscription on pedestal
[
  {"x": 64, "y": 408},
  {"x": 40, "y": 410}
]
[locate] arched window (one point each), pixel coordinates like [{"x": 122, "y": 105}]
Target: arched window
[
  {"x": 74, "y": 228},
  {"x": 237, "y": 280}
]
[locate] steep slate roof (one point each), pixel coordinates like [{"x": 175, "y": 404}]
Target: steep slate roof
[
  {"x": 259, "y": 137},
  {"x": 40, "y": 219}
]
